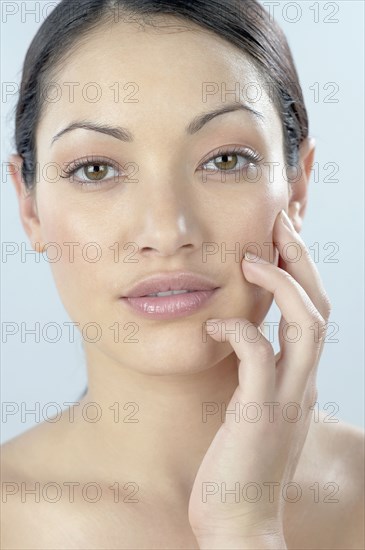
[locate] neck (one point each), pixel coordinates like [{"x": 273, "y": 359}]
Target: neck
[{"x": 159, "y": 424}]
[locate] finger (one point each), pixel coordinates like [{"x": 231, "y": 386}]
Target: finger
[
  {"x": 297, "y": 261},
  {"x": 299, "y": 349},
  {"x": 283, "y": 381},
  {"x": 256, "y": 369}
]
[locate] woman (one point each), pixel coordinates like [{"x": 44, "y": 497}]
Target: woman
[{"x": 173, "y": 136}]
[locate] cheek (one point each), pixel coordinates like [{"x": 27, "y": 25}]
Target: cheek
[
  {"x": 76, "y": 254},
  {"x": 247, "y": 226}
]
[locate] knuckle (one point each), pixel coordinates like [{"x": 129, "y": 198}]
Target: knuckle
[
  {"x": 306, "y": 253},
  {"x": 317, "y": 318},
  {"x": 327, "y": 307},
  {"x": 316, "y": 326},
  {"x": 322, "y": 329}
]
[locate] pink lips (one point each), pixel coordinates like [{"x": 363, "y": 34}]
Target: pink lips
[{"x": 200, "y": 288}]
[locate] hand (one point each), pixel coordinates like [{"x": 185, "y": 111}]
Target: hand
[{"x": 265, "y": 452}]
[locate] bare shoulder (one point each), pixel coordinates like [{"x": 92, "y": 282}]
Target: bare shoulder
[
  {"x": 344, "y": 441},
  {"x": 18, "y": 471},
  {"x": 330, "y": 474},
  {"x": 54, "y": 497},
  {"x": 22, "y": 455},
  {"x": 32, "y": 515},
  {"x": 346, "y": 451}
]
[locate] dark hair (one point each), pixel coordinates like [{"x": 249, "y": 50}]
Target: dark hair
[{"x": 243, "y": 23}]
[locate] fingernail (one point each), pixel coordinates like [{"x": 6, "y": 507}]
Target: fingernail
[
  {"x": 287, "y": 221},
  {"x": 251, "y": 257}
]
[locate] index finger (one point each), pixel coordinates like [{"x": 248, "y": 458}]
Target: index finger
[{"x": 303, "y": 270}]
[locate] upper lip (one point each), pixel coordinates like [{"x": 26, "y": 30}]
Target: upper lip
[{"x": 163, "y": 282}]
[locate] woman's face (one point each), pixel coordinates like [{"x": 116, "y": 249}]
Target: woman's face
[{"x": 164, "y": 217}]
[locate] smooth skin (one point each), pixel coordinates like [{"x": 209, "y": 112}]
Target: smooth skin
[{"x": 164, "y": 379}]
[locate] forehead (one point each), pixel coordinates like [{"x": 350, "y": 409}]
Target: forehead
[{"x": 166, "y": 73}]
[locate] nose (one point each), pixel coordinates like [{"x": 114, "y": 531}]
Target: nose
[{"x": 168, "y": 222}]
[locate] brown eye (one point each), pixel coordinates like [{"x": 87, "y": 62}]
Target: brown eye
[
  {"x": 231, "y": 160},
  {"x": 228, "y": 161},
  {"x": 95, "y": 171},
  {"x": 92, "y": 172}
]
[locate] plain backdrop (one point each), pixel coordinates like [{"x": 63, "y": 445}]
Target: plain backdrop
[{"x": 326, "y": 39}]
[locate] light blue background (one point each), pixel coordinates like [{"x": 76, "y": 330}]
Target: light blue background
[{"x": 324, "y": 52}]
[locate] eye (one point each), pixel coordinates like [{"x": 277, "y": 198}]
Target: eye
[
  {"x": 95, "y": 171},
  {"x": 91, "y": 171},
  {"x": 226, "y": 160}
]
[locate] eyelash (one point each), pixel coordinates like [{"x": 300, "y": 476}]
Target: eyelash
[
  {"x": 252, "y": 156},
  {"x": 73, "y": 167}
]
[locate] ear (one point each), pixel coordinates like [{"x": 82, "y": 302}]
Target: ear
[
  {"x": 299, "y": 186},
  {"x": 27, "y": 202}
]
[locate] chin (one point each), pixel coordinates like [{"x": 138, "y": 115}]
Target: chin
[{"x": 180, "y": 354}]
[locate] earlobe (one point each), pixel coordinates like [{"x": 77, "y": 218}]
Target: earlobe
[{"x": 27, "y": 202}]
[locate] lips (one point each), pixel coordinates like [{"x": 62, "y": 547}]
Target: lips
[{"x": 164, "y": 282}]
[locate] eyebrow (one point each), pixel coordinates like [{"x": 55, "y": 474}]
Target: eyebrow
[{"x": 123, "y": 134}]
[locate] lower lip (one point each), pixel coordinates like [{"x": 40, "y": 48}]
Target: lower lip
[{"x": 170, "y": 307}]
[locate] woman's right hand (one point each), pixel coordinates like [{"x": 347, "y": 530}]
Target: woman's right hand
[{"x": 264, "y": 453}]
